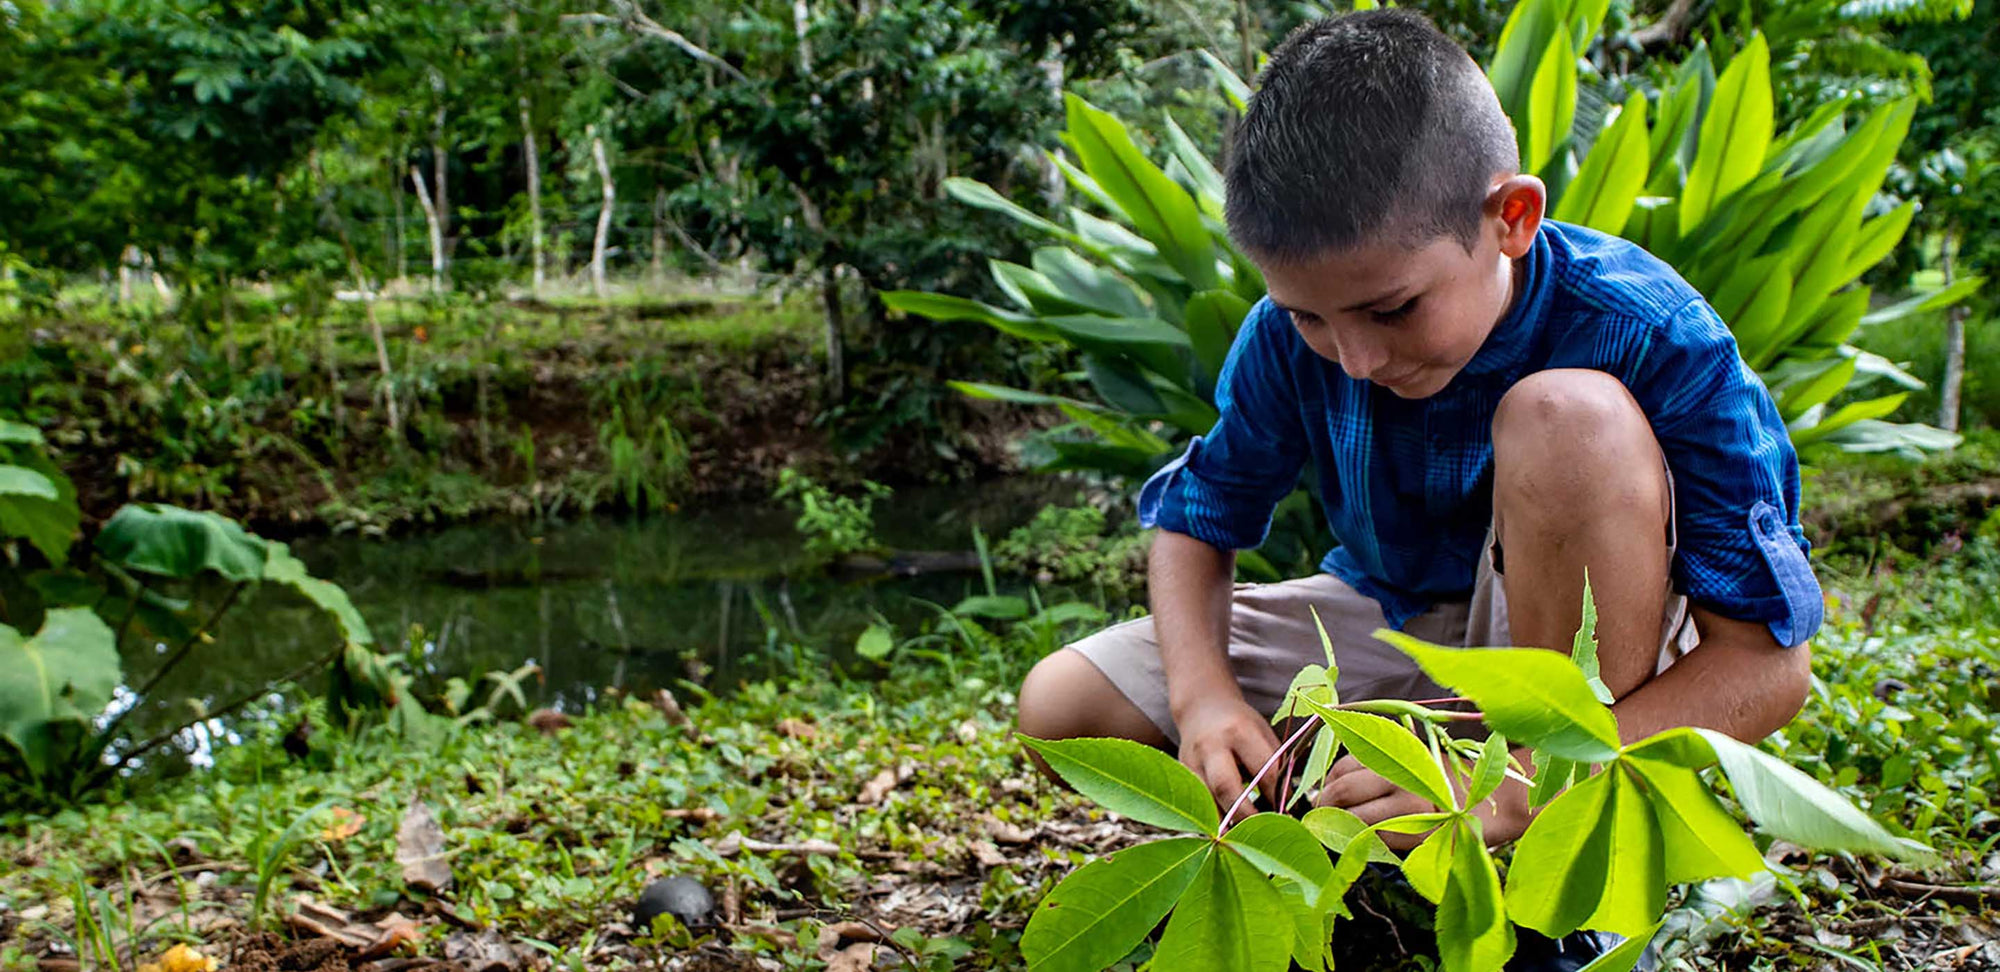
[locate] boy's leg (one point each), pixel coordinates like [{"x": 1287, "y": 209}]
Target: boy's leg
[
  {"x": 1113, "y": 683},
  {"x": 1579, "y": 481}
]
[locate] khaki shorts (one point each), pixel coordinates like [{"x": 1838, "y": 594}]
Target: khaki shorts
[{"x": 1271, "y": 637}]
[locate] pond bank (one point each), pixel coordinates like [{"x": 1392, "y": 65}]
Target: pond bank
[{"x": 513, "y": 409}]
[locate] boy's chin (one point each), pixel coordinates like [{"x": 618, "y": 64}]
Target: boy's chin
[{"x": 1419, "y": 386}]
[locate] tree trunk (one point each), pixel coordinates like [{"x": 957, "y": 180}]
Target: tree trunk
[
  {"x": 432, "y": 218},
  {"x": 368, "y": 297},
  {"x": 534, "y": 163},
  {"x": 127, "y": 259},
  {"x": 801, "y": 22},
  {"x": 439, "y": 161},
  {"x": 396, "y": 190},
  {"x": 160, "y": 285},
  {"x": 1954, "y": 353},
  {"x": 836, "y": 320},
  {"x": 597, "y": 279},
  {"x": 1053, "y": 185},
  {"x": 659, "y": 254}
]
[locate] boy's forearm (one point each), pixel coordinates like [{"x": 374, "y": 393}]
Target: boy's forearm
[
  {"x": 1190, "y": 584},
  {"x": 1739, "y": 680}
]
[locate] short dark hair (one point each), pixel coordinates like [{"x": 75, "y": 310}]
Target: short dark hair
[{"x": 1365, "y": 124}]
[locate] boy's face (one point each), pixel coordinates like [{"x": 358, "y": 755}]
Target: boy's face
[{"x": 1409, "y": 319}]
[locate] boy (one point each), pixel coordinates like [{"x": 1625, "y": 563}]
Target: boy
[{"x": 1490, "y": 402}]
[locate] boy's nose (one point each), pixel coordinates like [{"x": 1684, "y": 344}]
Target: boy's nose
[{"x": 1362, "y": 360}]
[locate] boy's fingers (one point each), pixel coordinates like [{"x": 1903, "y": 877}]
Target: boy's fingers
[{"x": 1355, "y": 788}]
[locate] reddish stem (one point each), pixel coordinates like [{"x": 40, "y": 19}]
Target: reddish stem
[{"x": 1273, "y": 761}]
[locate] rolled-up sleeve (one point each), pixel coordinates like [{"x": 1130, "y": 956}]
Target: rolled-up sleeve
[
  {"x": 1741, "y": 551},
  {"x": 1224, "y": 487}
]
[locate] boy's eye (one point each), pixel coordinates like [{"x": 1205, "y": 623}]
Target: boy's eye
[
  {"x": 1304, "y": 318},
  {"x": 1398, "y": 312}
]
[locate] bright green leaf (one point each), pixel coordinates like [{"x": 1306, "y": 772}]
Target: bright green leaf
[
  {"x": 22, "y": 481},
  {"x": 1635, "y": 885},
  {"x": 1210, "y": 930},
  {"x": 1559, "y": 868},
  {"x": 1387, "y": 748},
  {"x": 1336, "y": 829},
  {"x": 1281, "y": 846},
  {"x": 1788, "y": 804},
  {"x": 1489, "y": 772},
  {"x": 169, "y": 541},
  {"x": 1473, "y": 932},
  {"x": 64, "y": 674},
  {"x": 1734, "y": 136},
  {"x": 1105, "y": 908},
  {"x": 1700, "y": 839},
  {"x": 1533, "y": 696},
  {"x": 1613, "y": 175},
  {"x": 875, "y": 643},
  {"x": 1132, "y": 779}
]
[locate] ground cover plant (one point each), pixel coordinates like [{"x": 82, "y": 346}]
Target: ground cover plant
[{"x": 897, "y": 818}]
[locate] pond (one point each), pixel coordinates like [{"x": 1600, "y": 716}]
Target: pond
[{"x": 714, "y": 596}]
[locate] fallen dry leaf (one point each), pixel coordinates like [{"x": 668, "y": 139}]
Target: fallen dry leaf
[
  {"x": 834, "y": 937},
  {"x": 854, "y": 958},
  {"x": 670, "y": 707},
  {"x": 797, "y": 729},
  {"x": 968, "y": 732},
  {"x": 486, "y": 951},
  {"x": 988, "y": 855},
  {"x": 325, "y": 921},
  {"x": 346, "y": 823},
  {"x": 420, "y": 850},
  {"x": 700, "y": 815},
  {"x": 1005, "y": 832},
  {"x": 548, "y": 721},
  {"x": 391, "y": 933},
  {"x": 877, "y": 789}
]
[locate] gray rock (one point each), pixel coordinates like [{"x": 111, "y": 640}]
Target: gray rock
[{"x": 680, "y": 896}]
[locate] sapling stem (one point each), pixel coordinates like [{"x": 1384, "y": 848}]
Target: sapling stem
[{"x": 1251, "y": 787}]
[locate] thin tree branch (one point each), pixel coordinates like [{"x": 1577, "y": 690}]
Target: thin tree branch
[{"x": 631, "y": 17}]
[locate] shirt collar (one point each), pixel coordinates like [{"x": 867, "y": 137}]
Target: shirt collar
[{"x": 1508, "y": 345}]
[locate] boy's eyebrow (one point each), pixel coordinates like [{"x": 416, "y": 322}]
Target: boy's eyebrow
[{"x": 1364, "y": 305}]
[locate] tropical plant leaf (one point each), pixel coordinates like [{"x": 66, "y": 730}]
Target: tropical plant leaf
[
  {"x": 1281, "y": 846},
  {"x": 944, "y": 307},
  {"x": 1613, "y": 174},
  {"x": 50, "y": 524},
  {"x": 22, "y": 481},
  {"x": 1699, "y": 839},
  {"x": 1583, "y": 648},
  {"x": 1213, "y": 317},
  {"x": 169, "y": 541},
  {"x": 1635, "y": 885},
  {"x": 1208, "y": 192},
  {"x": 64, "y": 674},
  {"x": 1473, "y": 932},
  {"x": 280, "y": 567},
  {"x": 1208, "y": 929},
  {"x": 1133, "y": 779},
  {"x": 1558, "y": 873},
  {"x": 1788, "y": 804},
  {"x": 1734, "y": 135},
  {"x": 1626, "y": 956},
  {"x": 1337, "y": 829},
  {"x": 1551, "y": 103},
  {"x": 1428, "y": 868},
  {"x": 1384, "y": 746},
  {"x": 1105, "y": 908},
  {"x": 875, "y": 643},
  {"x": 1489, "y": 772},
  {"x": 17, "y": 433},
  {"x": 1160, "y": 210},
  {"x": 1082, "y": 282},
  {"x": 1532, "y": 696}
]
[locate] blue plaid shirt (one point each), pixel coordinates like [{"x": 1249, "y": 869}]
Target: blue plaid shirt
[{"x": 1408, "y": 485}]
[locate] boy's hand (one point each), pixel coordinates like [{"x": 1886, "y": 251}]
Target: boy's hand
[
  {"x": 1225, "y": 741},
  {"x": 1503, "y": 816}
]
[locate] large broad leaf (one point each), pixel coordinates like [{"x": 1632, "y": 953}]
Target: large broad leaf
[
  {"x": 1213, "y": 317},
  {"x": 1635, "y": 885},
  {"x": 1534, "y": 697},
  {"x": 64, "y": 674},
  {"x": 1233, "y": 87},
  {"x": 1473, "y": 932},
  {"x": 22, "y": 481},
  {"x": 1602, "y": 194},
  {"x": 282, "y": 568},
  {"x": 1878, "y": 237},
  {"x": 1551, "y": 104},
  {"x": 1384, "y": 746},
  {"x": 1787, "y": 803},
  {"x": 1558, "y": 873},
  {"x": 1700, "y": 839},
  {"x": 1018, "y": 396},
  {"x": 1806, "y": 431},
  {"x": 50, "y": 524},
  {"x": 943, "y": 307},
  {"x": 1209, "y": 930},
  {"x": 1517, "y": 55},
  {"x": 1160, "y": 210},
  {"x": 1122, "y": 385},
  {"x": 1136, "y": 780},
  {"x": 1817, "y": 390},
  {"x": 1337, "y": 829},
  {"x": 17, "y": 433},
  {"x": 1082, "y": 282},
  {"x": 1207, "y": 181},
  {"x": 169, "y": 541},
  {"x": 1104, "y": 909},
  {"x": 1925, "y": 303},
  {"x": 1734, "y": 136},
  {"x": 1670, "y": 129},
  {"x": 980, "y": 195},
  {"x": 1626, "y": 956},
  {"x": 1279, "y": 845}
]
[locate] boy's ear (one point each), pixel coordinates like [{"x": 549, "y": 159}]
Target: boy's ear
[{"x": 1517, "y": 204}]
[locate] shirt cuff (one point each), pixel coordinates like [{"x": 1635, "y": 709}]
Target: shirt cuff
[{"x": 1804, "y": 605}]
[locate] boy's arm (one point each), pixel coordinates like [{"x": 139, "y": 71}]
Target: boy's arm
[{"x": 1223, "y": 739}]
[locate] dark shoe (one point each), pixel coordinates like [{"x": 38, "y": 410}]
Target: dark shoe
[{"x": 1538, "y": 953}]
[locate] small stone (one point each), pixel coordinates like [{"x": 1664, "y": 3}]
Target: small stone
[{"x": 680, "y": 896}]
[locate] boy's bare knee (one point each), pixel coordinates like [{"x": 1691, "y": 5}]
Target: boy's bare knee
[
  {"x": 1065, "y": 696},
  {"x": 1572, "y": 439}
]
